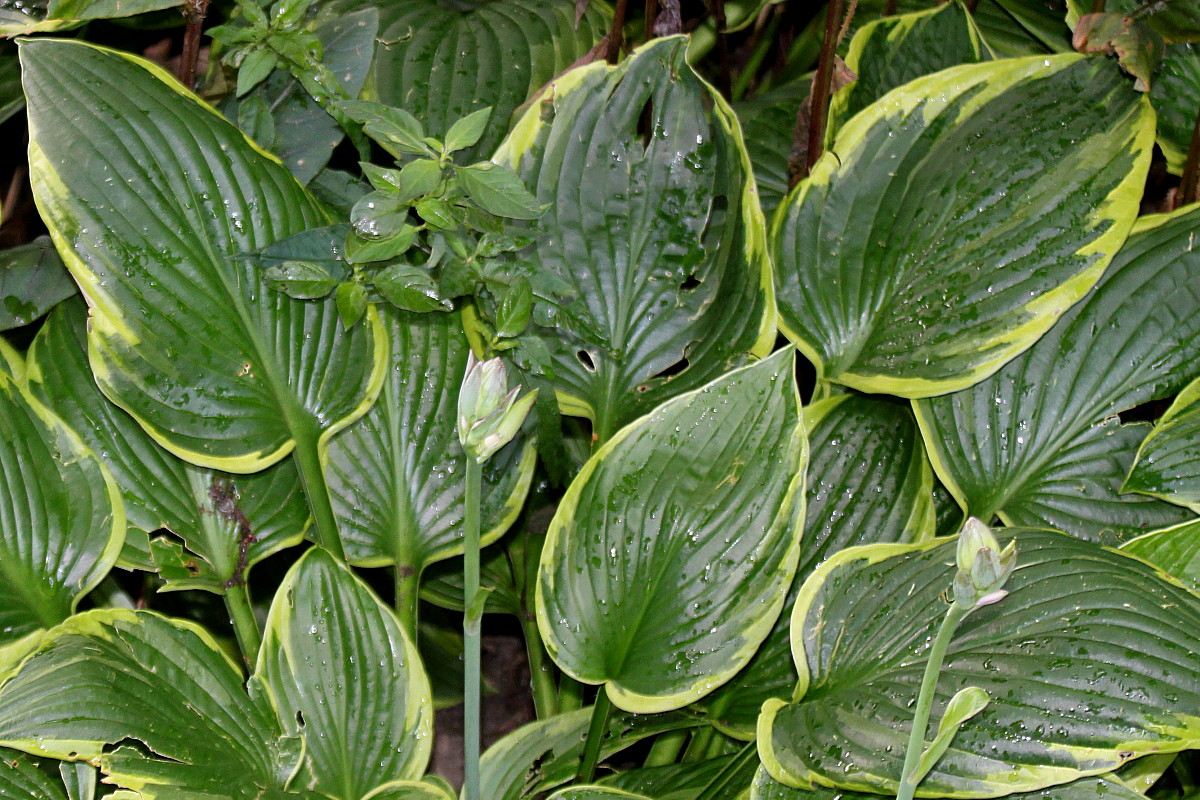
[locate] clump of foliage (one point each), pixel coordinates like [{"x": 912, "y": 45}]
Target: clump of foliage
[{"x": 813, "y": 388}]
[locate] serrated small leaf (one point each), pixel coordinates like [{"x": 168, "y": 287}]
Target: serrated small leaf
[
  {"x": 418, "y": 177},
  {"x": 303, "y": 280},
  {"x": 368, "y": 251},
  {"x": 255, "y": 68},
  {"x": 467, "y": 131},
  {"x": 351, "y": 303}
]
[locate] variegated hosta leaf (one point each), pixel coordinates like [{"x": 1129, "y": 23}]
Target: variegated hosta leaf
[
  {"x": 346, "y": 677},
  {"x": 20, "y": 779},
  {"x": 669, "y": 558},
  {"x": 1072, "y": 660},
  {"x": 1174, "y": 550},
  {"x": 161, "y": 491},
  {"x": 113, "y": 676},
  {"x": 868, "y": 482},
  {"x": 957, "y": 217},
  {"x": 1039, "y": 442},
  {"x": 40, "y": 16},
  {"x": 544, "y": 754},
  {"x": 1175, "y": 94},
  {"x": 768, "y": 123},
  {"x": 396, "y": 476},
  {"x": 594, "y": 793},
  {"x": 653, "y": 223},
  {"x": 149, "y": 195},
  {"x": 767, "y": 788},
  {"x": 62, "y": 522},
  {"x": 442, "y": 61},
  {"x": 1168, "y": 460},
  {"x": 411, "y": 790},
  {"x": 892, "y": 51}
]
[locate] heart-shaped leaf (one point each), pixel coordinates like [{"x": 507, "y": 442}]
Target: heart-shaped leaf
[
  {"x": 396, "y": 476},
  {"x": 237, "y": 386},
  {"x": 1072, "y": 660},
  {"x": 956, "y": 219},
  {"x": 891, "y": 51},
  {"x": 345, "y": 675},
  {"x": 441, "y": 62},
  {"x": 652, "y": 217},
  {"x": 109, "y": 676},
  {"x": 62, "y": 522},
  {"x": 669, "y": 558},
  {"x": 1166, "y": 465},
  {"x": 1039, "y": 443},
  {"x": 868, "y": 482},
  {"x": 159, "y": 490},
  {"x": 1174, "y": 92}
]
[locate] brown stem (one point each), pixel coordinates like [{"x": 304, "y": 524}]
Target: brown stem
[
  {"x": 842, "y": 31},
  {"x": 725, "y": 83},
  {"x": 193, "y": 15},
  {"x": 651, "y": 14},
  {"x": 822, "y": 85},
  {"x": 616, "y": 37},
  {"x": 972, "y": 5},
  {"x": 13, "y": 196},
  {"x": 890, "y": 8},
  {"x": 1097, "y": 6},
  {"x": 1189, "y": 188}
]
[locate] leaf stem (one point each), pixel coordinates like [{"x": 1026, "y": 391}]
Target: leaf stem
[
  {"x": 916, "y": 737},
  {"x": 595, "y": 734},
  {"x": 472, "y": 644},
  {"x": 665, "y": 749},
  {"x": 822, "y": 85},
  {"x": 1189, "y": 187},
  {"x": 541, "y": 675},
  {"x": 616, "y": 36},
  {"x": 193, "y": 14},
  {"x": 312, "y": 476},
  {"x": 241, "y": 616},
  {"x": 407, "y": 581},
  {"x": 570, "y": 694}
]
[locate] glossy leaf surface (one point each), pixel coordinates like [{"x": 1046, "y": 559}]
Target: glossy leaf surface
[
  {"x": 1072, "y": 660},
  {"x": 891, "y": 51},
  {"x": 767, "y": 788},
  {"x": 159, "y": 490},
  {"x": 345, "y": 676},
  {"x": 20, "y": 779},
  {"x": 1175, "y": 550},
  {"x": 61, "y": 520},
  {"x": 648, "y": 234},
  {"x": 397, "y": 476},
  {"x": 148, "y": 210},
  {"x": 1174, "y": 93},
  {"x": 669, "y": 557},
  {"x": 594, "y": 793},
  {"x": 869, "y": 482},
  {"x": 441, "y": 61},
  {"x": 1168, "y": 460},
  {"x": 32, "y": 280},
  {"x": 110, "y": 675},
  {"x": 1039, "y": 443},
  {"x": 905, "y": 260}
]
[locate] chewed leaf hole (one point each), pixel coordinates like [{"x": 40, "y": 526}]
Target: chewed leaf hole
[
  {"x": 689, "y": 283},
  {"x": 645, "y": 126},
  {"x": 676, "y": 368},
  {"x": 300, "y": 718},
  {"x": 585, "y": 358}
]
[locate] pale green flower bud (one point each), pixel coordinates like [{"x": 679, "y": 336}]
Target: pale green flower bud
[
  {"x": 983, "y": 568},
  {"x": 489, "y": 415}
]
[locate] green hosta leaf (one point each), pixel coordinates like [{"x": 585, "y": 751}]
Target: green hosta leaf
[
  {"x": 1176, "y": 20},
  {"x": 62, "y": 522},
  {"x": 767, "y": 788},
  {"x": 104, "y": 9},
  {"x": 32, "y": 281},
  {"x": 594, "y": 793},
  {"x": 109, "y": 676},
  {"x": 233, "y": 387},
  {"x": 1071, "y": 659},
  {"x": 346, "y": 677},
  {"x": 411, "y": 790},
  {"x": 688, "y": 779},
  {"x": 79, "y": 778},
  {"x": 396, "y": 477},
  {"x": 442, "y": 62},
  {"x": 769, "y": 123},
  {"x": 1175, "y": 550},
  {"x": 868, "y": 482},
  {"x": 648, "y": 235},
  {"x": 669, "y": 557},
  {"x": 544, "y": 754},
  {"x": 12, "y": 99},
  {"x": 1039, "y": 443},
  {"x": 892, "y": 51},
  {"x": 905, "y": 260},
  {"x": 1175, "y": 94},
  {"x": 159, "y": 490},
  {"x": 20, "y": 779},
  {"x": 1167, "y": 465}
]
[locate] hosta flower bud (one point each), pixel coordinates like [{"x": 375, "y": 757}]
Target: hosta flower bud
[
  {"x": 983, "y": 568},
  {"x": 489, "y": 415}
]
